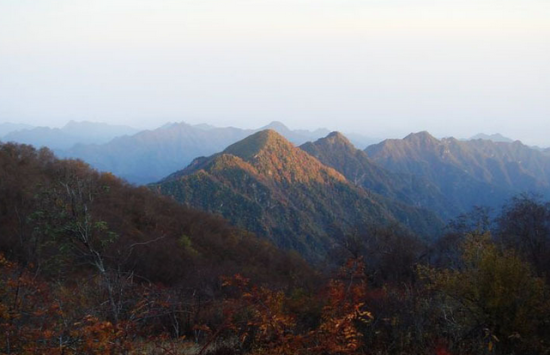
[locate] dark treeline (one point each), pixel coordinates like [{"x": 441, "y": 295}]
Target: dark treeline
[{"x": 92, "y": 265}]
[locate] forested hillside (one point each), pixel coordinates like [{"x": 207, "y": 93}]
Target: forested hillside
[{"x": 56, "y": 213}]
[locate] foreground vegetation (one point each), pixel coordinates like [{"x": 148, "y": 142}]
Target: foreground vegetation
[{"x": 91, "y": 265}]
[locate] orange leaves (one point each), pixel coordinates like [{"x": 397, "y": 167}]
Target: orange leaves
[
  {"x": 338, "y": 331},
  {"x": 100, "y": 337},
  {"x": 236, "y": 281},
  {"x": 27, "y": 315},
  {"x": 32, "y": 321},
  {"x": 4, "y": 262},
  {"x": 262, "y": 321}
]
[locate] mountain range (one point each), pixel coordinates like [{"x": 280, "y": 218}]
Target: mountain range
[
  {"x": 447, "y": 176},
  {"x": 265, "y": 184},
  {"x": 338, "y": 152},
  {"x": 300, "y": 197},
  {"x": 8, "y": 127},
  {"x": 144, "y": 156},
  {"x": 468, "y": 173},
  {"x": 69, "y": 135},
  {"x": 496, "y": 137},
  {"x": 150, "y": 155}
]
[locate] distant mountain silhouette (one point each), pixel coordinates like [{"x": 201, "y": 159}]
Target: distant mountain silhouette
[
  {"x": 69, "y": 135},
  {"x": 265, "y": 184},
  {"x": 7, "y": 128},
  {"x": 302, "y": 136},
  {"x": 477, "y": 172},
  {"x": 298, "y": 136},
  {"x": 497, "y": 137},
  {"x": 151, "y": 155}
]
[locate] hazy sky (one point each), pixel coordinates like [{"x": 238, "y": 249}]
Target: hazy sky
[{"x": 379, "y": 67}]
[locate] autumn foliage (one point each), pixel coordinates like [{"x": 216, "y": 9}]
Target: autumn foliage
[
  {"x": 33, "y": 320},
  {"x": 92, "y": 265},
  {"x": 263, "y": 323}
]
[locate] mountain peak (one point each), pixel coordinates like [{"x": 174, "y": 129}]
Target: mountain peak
[
  {"x": 337, "y": 137},
  {"x": 276, "y": 125},
  {"x": 334, "y": 140},
  {"x": 257, "y": 142},
  {"x": 72, "y": 123},
  {"x": 423, "y": 136}
]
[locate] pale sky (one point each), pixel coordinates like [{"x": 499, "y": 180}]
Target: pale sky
[{"x": 377, "y": 67}]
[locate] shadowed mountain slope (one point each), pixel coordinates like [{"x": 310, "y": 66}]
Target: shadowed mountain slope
[
  {"x": 336, "y": 151},
  {"x": 478, "y": 172}
]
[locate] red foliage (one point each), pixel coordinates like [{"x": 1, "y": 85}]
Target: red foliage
[{"x": 261, "y": 319}]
